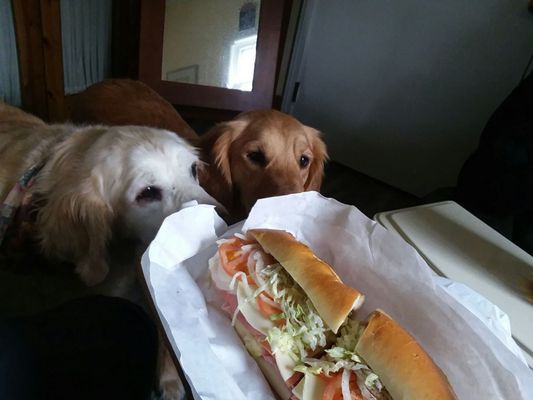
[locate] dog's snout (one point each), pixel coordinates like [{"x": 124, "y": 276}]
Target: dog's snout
[
  {"x": 287, "y": 185},
  {"x": 202, "y": 197},
  {"x": 198, "y": 194},
  {"x": 289, "y": 188}
]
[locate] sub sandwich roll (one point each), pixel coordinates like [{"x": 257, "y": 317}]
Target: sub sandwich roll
[
  {"x": 405, "y": 369},
  {"x": 332, "y": 299},
  {"x": 276, "y": 318},
  {"x": 368, "y": 357},
  {"x": 295, "y": 317}
]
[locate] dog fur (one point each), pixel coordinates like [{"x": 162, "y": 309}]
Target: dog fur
[
  {"x": 127, "y": 102},
  {"x": 260, "y": 154},
  {"x": 228, "y": 176},
  {"x": 96, "y": 182},
  {"x": 93, "y": 174},
  {"x": 93, "y": 187}
]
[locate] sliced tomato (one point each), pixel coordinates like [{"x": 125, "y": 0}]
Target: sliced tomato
[
  {"x": 232, "y": 258},
  {"x": 333, "y": 390},
  {"x": 266, "y": 308}
]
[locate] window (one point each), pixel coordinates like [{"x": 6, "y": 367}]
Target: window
[{"x": 242, "y": 61}]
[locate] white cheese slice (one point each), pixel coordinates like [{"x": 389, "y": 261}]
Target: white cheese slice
[
  {"x": 250, "y": 342},
  {"x": 313, "y": 387},
  {"x": 285, "y": 365},
  {"x": 250, "y": 310}
]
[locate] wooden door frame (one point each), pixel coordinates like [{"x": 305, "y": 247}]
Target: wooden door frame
[
  {"x": 38, "y": 34},
  {"x": 40, "y": 53}
]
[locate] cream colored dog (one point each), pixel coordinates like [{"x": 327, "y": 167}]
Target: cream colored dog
[
  {"x": 95, "y": 182},
  {"x": 94, "y": 179}
]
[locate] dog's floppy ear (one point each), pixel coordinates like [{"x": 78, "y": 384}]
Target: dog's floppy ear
[
  {"x": 215, "y": 176},
  {"x": 75, "y": 222},
  {"x": 320, "y": 156}
]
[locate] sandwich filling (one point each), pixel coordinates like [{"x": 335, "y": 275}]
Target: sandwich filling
[{"x": 286, "y": 328}]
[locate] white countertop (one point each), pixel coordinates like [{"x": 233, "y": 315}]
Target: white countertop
[{"x": 461, "y": 247}]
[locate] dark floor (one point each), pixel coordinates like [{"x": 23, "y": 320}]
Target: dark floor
[{"x": 367, "y": 194}]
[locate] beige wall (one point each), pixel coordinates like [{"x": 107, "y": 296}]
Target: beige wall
[{"x": 201, "y": 32}]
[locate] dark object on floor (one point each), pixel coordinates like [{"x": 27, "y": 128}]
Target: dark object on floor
[
  {"x": 496, "y": 181},
  {"x": 91, "y": 348}
]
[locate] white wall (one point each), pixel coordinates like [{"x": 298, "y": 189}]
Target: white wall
[
  {"x": 402, "y": 89},
  {"x": 201, "y": 33}
]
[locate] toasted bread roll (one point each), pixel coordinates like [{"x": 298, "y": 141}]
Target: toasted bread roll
[
  {"x": 404, "y": 367},
  {"x": 332, "y": 299},
  {"x": 392, "y": 364}
]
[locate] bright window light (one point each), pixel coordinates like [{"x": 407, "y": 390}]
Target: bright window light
[{"x": 241, "y": 65}]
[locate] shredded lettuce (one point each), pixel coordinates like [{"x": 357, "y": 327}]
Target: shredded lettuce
[
  {"x": 336, "y": 352},
  {"x": 304, "y": 332},
  {"x": 371, "y": 379},
  {"x": 275, "y": 317},
  {"x": 342, "y": 356}
]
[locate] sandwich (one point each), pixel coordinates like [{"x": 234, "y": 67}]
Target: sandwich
[{"x": 297, "y": 319}]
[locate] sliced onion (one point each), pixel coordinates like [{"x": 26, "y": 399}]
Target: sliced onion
[
  {"x": 235, "y": 277},
  {"x": 255, "y": 266},
  {"x": 246, "y": 248},
  {"x": 269, "y": 301},
  {"x": 345, "y": 384},
  {"x": 251, "y": 263}
]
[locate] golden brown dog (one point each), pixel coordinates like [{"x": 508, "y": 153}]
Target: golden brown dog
[
  {"x": 260, "y": 154},
  {"x": 127, "y": 102},
  {"x": 16, "y": 118}
]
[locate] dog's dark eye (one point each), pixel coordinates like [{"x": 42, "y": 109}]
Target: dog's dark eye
[
  {"x": 257, "y": 157},
  {"x": 194, "y": 170},
  {"x": 149, "y": 194},
  {"x": 304, "y": 161}
]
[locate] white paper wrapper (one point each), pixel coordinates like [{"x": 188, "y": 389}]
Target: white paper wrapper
[{"x": 478, "y": 363}]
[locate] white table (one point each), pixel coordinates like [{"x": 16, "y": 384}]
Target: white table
[{"x": 461, "y": 247}]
